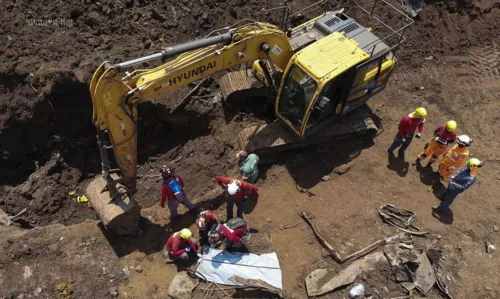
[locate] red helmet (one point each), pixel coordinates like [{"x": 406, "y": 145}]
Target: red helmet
[
  {"x": 204, "y": 218},
  {"x": 166, "y": 172}
]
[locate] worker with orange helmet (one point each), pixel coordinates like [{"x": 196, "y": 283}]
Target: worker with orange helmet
[
  {"x": 459, "y": 183},
  {"x": 406, "y": 130},
  {"x": 455, "y": 157},
  {"x": 237, "y": 192},
  {"x": 206, "y": 222},
  {"x": 443, "y": 136},
  {"x": 180, "y": 244}
]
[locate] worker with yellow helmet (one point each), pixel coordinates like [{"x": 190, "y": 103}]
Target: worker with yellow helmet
[
  {"x": 443, "y": 136},
  {"x": 180, "y": 245},
  {"x": 459, "y": 183},
  {"x": 406, "y": 130}
]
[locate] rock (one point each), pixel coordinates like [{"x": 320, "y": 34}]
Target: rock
[
  {"x": 394, "y": 197},
  {"x": 422, "y": 88},
  {"x": 113, "y": 291},
  {"x": 182, "y": 286},
  {"x": 495, "y": 228},
  {"x": 204, "y": 16},
  {"x": 269, "y": 220},
  {"x": 129, "y": 3},
  {"x": 342, "y": 169},
  {"x": 325, "y": 178},
  {"x": 233, "y": 13},
  {"x": 157, "y": 16},
  {"x": 138, "y": 269},
  {"x": 111, "y": 276},
  {"x": 94, "y": 41},
  {"x": 75, "y": 12},
  {"x": 92, "y": 19},
  {"x": 429, "y": 58},
  {"x": 152, "y": 289},
  {"x": 147, "y": 44}
]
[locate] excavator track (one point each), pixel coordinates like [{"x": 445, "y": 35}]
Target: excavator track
[
  {"x": 270, "y": 139},
  {"x": 238, "y": 81}
]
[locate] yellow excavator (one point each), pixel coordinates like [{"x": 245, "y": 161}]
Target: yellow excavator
[{"x": 317, "y": 75}]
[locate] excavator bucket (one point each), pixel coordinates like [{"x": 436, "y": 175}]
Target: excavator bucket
[{"x": 119, "y": 214}]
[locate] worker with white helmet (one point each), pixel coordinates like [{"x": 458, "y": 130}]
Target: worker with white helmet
[
  {"x": 459, "y": 183},
  {"x": 443, "y": 136},
  {"x": 180, "y": 245},
  {"x": 237, "y": 192},
  {"x": 455, "y": 157}
]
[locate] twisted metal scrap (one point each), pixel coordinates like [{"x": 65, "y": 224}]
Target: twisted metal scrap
[{"x": 400, "y": 218}]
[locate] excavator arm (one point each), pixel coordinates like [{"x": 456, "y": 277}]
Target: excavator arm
[{"x": 115, "y": 95}]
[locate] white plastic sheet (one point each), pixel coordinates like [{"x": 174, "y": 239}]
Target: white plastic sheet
[{"x": 220, "y": 265}]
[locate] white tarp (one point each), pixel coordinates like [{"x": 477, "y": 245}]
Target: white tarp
[{"x": 220, "y": 265}]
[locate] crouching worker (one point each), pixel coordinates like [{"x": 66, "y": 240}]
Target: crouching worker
[
  {"x": 180, "y": 246},
  {"x": 234, "y": 233},
  {"x": 206, "y": 222}
]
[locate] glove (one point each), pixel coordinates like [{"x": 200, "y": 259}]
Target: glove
[
  {"x": 403, "y": 139},
  {"x": 418, "y": 135},
  {"x": 199, "y": 255},
  {"x": 188, "y": 249}
]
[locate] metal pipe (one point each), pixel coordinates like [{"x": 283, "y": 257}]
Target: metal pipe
[{"x": 169, "y": 52}]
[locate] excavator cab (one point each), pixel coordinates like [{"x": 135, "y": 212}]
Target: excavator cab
[{"x": 328, "y": 79}]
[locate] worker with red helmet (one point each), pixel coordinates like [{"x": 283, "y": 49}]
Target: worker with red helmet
[
  {"x": 234, "y": 233},
  {"x": 172, "y": 192},
  {"x": 180, "y": 245},
  {"x": 237, "y": 192},
  {"x": 206, "y": 222},
  {"x": 406, "y": 130},
  {"x": 443, "y": 136}
]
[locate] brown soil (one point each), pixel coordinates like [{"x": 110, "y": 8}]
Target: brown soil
[{"x": 47, "y": 148}]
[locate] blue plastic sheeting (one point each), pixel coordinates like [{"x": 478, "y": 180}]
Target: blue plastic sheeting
[{"x": 220, "y": 265}]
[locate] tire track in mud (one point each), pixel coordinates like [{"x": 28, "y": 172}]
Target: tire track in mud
[{"x": 484, "y": 65}]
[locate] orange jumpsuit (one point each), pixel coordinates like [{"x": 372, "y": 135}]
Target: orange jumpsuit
[
  {"x": 452, "y": 161},
  {"x": 435, "y": 148}
]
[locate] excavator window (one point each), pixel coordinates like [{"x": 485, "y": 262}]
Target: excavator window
[{"x": 298, "y": 91}]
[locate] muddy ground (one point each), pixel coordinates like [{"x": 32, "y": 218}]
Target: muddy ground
[{"x": 449, "y": 64}]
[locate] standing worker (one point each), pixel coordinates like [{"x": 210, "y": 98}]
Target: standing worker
[
  {"x": 459, "y": 183},
  {"x": 172, "y": 189},
  {"x": 180, "y": 245},
  {"x": 443, "y": 136},
  {"x": 455, "y": 157},
  {"x": 237, "y": 192},
  {"x": 407, "y": 127},
  {"x": 206, "y": 222},
  {"x": 248, "y": 166}
]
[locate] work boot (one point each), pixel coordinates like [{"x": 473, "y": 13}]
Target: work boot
[
  {"x": 391, "y": 153},
  {"x": 416, "y": 162},
  {"x": 429, "y": 164},
  {"x": 435, "y": 209}
]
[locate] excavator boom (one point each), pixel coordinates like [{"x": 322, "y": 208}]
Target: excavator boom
[{"x": 115, "y": 98}]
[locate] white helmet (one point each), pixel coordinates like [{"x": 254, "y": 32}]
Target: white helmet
[
  {"x": 232, "y": 188},
  {"x": 464, "y": 140}
]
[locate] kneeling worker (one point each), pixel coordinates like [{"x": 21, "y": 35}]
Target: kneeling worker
[
  {"x": 234, "y": 232},
  {"x": 206, "y": 222},
  {"x": 180, "y": 245}
]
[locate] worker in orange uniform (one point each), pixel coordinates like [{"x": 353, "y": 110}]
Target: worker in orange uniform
[
  {"x": 406, "y": 130},
  {"x": 237, "y": 192},
  {"x": 455, "y": 157},
  {"x": 443, "y": 136}
]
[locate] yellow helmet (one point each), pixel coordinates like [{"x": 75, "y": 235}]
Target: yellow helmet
[
  {"x": 421, "y": 112},
  {"x": 451, "y": 126},
  {"x": 186, "y": 233},
  {"x": 475, "y": 162}
]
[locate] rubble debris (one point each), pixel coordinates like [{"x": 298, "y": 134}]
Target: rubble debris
[
  {"x": 425, "y": 278},
  {"x": 7, "y": 220},
  {"x": 344, "y": 277},
  {"x": 182, "y": 286},
  {"x": 335, "y": 255},
  {"x": 490, "y": 248},
  {"x": 400, "y": 218},
  {"x": 495, "y": 228},
  {"x": 325, "y": 178},
  {"x": 357, "y": 291},
  {"x": 342, "y": 168}
]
